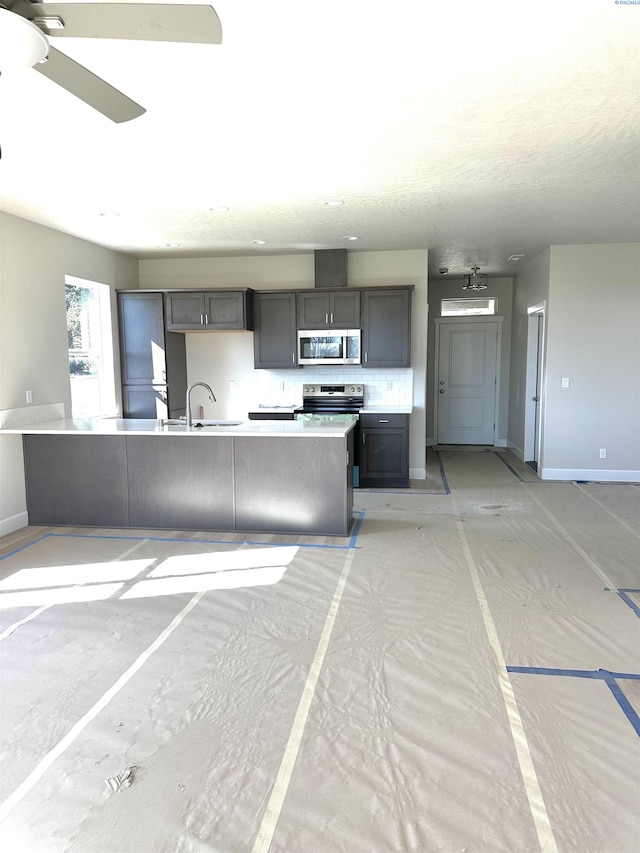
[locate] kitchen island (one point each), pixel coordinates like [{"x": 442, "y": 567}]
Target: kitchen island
[{"x": 264, "y": 476}]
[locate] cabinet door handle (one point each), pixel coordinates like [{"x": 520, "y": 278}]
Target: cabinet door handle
[
  {"x": 364, "y": 438},
  {"x": 366, "y": 356},
  {"x": 202, "y": 319},
  {"x": 326, "y": 319},
  {"x": 332, "y": 316},
  {"x": 206, "y": 319},
  {"x": 383, "y": 421},
  {"x": 293, "y": 357}
]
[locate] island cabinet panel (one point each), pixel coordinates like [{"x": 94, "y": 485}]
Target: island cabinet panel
[
  {"x": 294, "y": 484},
  {"x": 76, "y": 480},
  {"x": 274, "y": 339},
  {"x": 386, "y": 327},
  {"x": 180, "y": 482}
]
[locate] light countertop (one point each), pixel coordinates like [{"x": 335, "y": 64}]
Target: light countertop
[
  {"x": 371, "y": 409},
  {"x": 376, "y": 409},
  {"x": 120, "y": 426}
]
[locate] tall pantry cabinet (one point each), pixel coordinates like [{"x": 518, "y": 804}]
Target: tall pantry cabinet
[{"x": 152, "y": 361}]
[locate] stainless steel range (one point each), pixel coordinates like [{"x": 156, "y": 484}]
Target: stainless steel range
[{"x": 332, "y": 399}]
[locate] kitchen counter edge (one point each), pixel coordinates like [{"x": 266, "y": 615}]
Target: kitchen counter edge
[{"x": 121, "y": 426}]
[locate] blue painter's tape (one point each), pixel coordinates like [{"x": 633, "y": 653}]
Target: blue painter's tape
[
  {"x": 356, "y": 529},
  {"x": 443, "y": 476},
  {"x": 610, "y": 679},
  {"x": 628, "y": 710},
  {"x": 571, "y": 673},
  {"x": 625, "y": 676},
  {"x": 28, "y": 545},
  {"x": 199, "y": 541},
  {"x": 623, "y": 595},
  {"x": 510, "y": 467}
]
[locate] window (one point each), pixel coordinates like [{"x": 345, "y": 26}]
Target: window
[
  {"x": 90, "y": 344},
  {"x": 468, "y": 307}
]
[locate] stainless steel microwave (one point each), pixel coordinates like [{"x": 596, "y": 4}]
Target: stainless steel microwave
[{"x": 329, "y": 346}]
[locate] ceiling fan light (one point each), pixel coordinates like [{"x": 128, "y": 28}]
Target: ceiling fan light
[{"x": 22, "y": 44}]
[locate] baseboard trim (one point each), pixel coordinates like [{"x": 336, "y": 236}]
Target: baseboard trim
[
  {"x": 517, "y": 451},
  {"x": 596, "y": 474},
  {"x": 417, "y": 473},
  {"x": 15, "y": 522}
]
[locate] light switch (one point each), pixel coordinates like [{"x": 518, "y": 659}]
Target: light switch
[{"x": 565, "y": 382}]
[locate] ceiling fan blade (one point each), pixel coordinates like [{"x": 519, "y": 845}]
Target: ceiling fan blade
[
  {"x": 93, "y": 90},
  {"x": 143, "y": 22}
]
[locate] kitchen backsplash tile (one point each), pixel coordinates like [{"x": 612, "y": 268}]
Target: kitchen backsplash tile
[
  {"x": 31, "y": 415},
  {"x": 388, "y": 386}
]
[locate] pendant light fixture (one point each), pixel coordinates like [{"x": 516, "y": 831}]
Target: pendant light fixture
[{"x": 475, "y": 281}]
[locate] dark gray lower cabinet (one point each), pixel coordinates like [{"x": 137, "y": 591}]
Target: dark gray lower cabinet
[
  {"x": 76, "y": 479},
  {"x": 294, "y": 484},
  {"x": 384, "y": 450},
  {"x": 183, "y": 482}
]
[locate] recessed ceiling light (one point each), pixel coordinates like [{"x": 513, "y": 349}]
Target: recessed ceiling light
[
  {"x": 349, "y": 238},
  {"x": 332, "y": 202},
  {"x": 515, "y": 258},
  {"x": 259, "y": 242},
  {"x": 219, "y": 208},
  {"x": 172, "y": 245}
]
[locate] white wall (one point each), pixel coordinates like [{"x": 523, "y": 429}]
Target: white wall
[
  {"x": 593, "y": 339},
  {"x": 592, "y": 296},
  {"x": 221, "y": 358},
  {"x": 33, "y": 329},
  {"x": 502, "y": 290}
]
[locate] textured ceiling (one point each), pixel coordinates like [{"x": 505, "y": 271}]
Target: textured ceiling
[{"x": 477, "y": 130}]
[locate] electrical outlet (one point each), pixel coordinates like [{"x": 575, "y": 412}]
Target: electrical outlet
[
  {"x": 29, "y": 396},
  {"x": 565, "y": 382},
  {"x": 603, "y": 453}
]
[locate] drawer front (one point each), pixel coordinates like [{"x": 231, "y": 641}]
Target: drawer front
[{"x": 382, "y": 421}]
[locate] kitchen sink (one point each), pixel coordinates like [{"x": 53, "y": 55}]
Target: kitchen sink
[
  {"x": 202, "y": 423},
  {"x": 199, "y": 423}
]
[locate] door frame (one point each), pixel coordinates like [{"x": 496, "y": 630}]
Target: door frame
[
  {"x": 470, "y": 321},
  {"x": 533, "y": 439}
]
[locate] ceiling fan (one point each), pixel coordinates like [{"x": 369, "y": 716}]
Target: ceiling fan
[{"x": 25, "y": 29}]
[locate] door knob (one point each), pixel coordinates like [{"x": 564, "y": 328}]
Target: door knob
[
  {"x": 535, "y": 399},
  {"x": 442, "y": 390}
]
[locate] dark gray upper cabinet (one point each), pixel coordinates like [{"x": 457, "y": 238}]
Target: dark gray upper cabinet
[
  {"x": 386, "y": 327},
  {"x": 152, "y": 361},
  {"x": 274, "y": 338},
  {"x": 329, "y": 309},
  {"x": 213, "y": 310}
]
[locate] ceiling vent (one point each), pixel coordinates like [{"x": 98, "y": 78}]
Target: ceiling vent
[{"x": 331, "y": 268}]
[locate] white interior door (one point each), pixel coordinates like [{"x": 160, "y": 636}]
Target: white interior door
[
  {"x": 466, "y": 392},
  {"x": 534, "y": 388}
]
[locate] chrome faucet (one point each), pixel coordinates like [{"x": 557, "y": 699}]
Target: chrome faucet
[{"x": 212, "y": 397}]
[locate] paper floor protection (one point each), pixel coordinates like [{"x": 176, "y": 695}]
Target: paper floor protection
[{"x": 461, "y": 674}]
